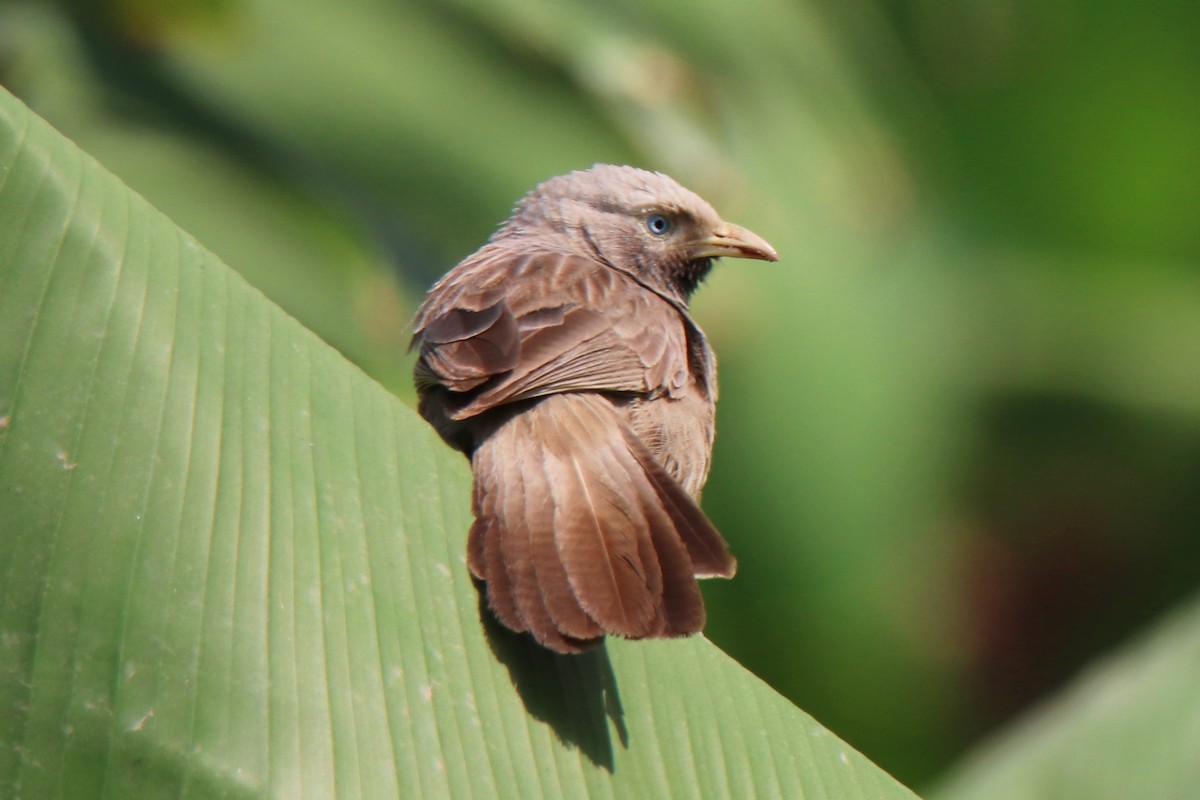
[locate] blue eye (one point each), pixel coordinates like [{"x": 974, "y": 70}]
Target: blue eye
[{"x": 658, "y": 224}]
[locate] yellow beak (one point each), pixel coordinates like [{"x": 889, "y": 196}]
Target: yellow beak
[{"x": 734, "y": 241}]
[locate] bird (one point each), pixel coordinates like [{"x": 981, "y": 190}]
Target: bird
[{"x": 562, "y": 360}]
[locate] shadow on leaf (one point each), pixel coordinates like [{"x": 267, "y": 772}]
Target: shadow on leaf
[{"x": 576, "y": 695}]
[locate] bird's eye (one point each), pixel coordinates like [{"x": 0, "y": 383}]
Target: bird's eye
[{"x": 658, "y": 224}]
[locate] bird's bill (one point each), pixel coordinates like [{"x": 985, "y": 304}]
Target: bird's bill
[{"x": 736, "y": 242}]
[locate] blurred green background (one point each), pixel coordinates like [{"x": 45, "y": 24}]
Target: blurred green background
[{"x": 959, "y": 449}]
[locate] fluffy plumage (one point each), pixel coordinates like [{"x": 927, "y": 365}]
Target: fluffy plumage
[{"x": 561, "y": 359}]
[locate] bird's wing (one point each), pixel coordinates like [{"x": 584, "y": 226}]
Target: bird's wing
[{"x": 497, "y": 330}]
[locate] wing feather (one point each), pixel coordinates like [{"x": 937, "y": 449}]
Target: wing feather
[{"x": 561, "y": 323}]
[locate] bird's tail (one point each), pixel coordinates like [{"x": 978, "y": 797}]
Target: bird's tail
[{"x": 579, "y": 532}]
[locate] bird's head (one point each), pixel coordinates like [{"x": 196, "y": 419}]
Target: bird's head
[{"x": 640, "y": 222}]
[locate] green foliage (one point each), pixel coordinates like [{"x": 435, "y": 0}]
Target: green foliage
[
  {"x": 233, "y": 564},
  {"x": 1127, "y": 728},
  {"x": 959, "y": 429}
]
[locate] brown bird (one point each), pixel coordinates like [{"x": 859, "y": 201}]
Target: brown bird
[{"x": 561, "y": 359}]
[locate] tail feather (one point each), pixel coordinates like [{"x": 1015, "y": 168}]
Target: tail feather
[
  {"x": 596, "y": 542},
  {"x": 580, "y": 532},
  {"x": 478, "y": 535},
  {"x": 707, "y": 549},
  {"x": 495, "y": 573},
  {"x": 518, "y": 528},
  {"x": 558, "y": 596},
  {"x": 681, "y": 610},
  {"x": 663, "y": 561}
]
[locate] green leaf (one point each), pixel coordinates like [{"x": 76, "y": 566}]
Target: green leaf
[
  {"x": 1128, "y": 728},
  {"x": 245, "y": 199},
  {"x": 231, "y": 565}
]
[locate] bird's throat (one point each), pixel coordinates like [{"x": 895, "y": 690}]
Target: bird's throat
[{"x": 689, "y": 275}]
